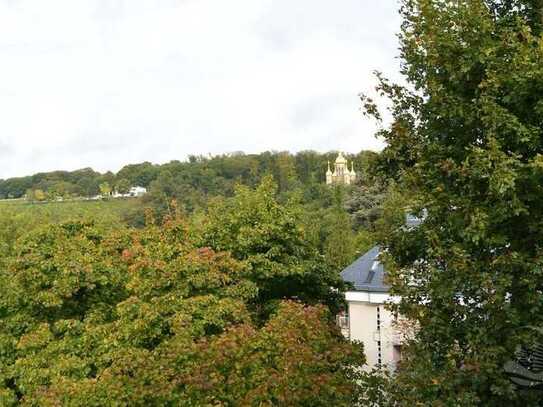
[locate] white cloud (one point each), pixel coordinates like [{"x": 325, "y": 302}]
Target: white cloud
[{"x": 111, "y": 82}]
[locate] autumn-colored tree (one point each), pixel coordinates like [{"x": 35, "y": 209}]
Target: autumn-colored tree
[
  {"x": 152, "y": 317},
  {"x": 105, "y": 189},
  {"x": 39, "y": 195}
]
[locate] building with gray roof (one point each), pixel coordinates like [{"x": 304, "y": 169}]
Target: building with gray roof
[{"x": 366, "y": 319}]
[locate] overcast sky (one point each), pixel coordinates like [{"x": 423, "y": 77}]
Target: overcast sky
[{"x": 104, "y": 83}]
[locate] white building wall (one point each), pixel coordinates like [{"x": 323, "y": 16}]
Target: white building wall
[{"x": 379, "y": 339}]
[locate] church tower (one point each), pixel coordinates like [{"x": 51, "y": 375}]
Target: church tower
[
  {"x": 328, "y": 175},
  {"x": 341, "y": 173}
]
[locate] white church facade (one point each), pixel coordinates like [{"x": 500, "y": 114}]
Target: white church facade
[{"x": 341, "y": 173}]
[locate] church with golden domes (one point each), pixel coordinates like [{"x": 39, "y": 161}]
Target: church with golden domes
[{"x": 341, "y": 173}]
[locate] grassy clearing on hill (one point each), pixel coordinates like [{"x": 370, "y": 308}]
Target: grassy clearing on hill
[
  {"x": 104, "y": 211},
  {"x": 18, "y": 218}
]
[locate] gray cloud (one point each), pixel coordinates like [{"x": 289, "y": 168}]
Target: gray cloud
[{"x": 110, "y": 82}]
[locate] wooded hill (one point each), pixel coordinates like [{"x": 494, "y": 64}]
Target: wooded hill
[{"x": 197, "y": 176}]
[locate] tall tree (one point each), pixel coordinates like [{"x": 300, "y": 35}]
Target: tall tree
[
  {"x": 255, "y": 227},
  {"x": 122, "y": 186},
  {"x": 339, "y": 240},
  {"x": 105, "y": 188},
  {"x": 467, "y": 144}
]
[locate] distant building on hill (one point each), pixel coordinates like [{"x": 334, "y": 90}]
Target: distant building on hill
[
  {"x": 133, "y": 192},
  {"x": 137, "y": 191},
  {"x": 341, "y": 173}
]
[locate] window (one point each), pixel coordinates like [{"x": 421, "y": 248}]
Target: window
[
  {"x": 397, "y": 353},
  {"x": 343, "y": 320},
  {"x": 379, "y": 350}
]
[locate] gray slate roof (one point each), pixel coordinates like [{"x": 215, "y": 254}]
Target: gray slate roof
[{"x": 366, "y": 273}]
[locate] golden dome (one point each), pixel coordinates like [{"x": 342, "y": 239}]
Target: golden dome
[{"x": 340, "y": 159}]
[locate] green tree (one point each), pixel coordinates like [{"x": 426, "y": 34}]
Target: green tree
[
  {"x": 123, "y": 186},
  {"x": 105, "y": 189},
  {"x": 285, "y": 171},
  {"x": 364, "y": 203},
  {"x": 39, "y": 195},
  {"x": 338, "y": 236},
  {"x": 29, "y": 195},
  {"x": 256, "y": 228},
  {"x": 339, "y": 243},
  {"x": 91, "y": 317},
  {"x": 466, "y": 145}
]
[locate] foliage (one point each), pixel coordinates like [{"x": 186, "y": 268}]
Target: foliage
[
  {"x": 105, "y": 188},
  {"x": 147, "y": 318},
  {"x": 123, "y": 186},
  {"x": 337, "y": 235},
  {"x": 192, "y": 185},
  {"x": 466, "y": 145},
  {"x": 35, "y": 195},
  {"x": 339, "y": 243},
  {"x": 256, "y": 228},
  {"x": 18, "y": 218},
  {"x": 82, "y": 182},
  {"x": 191, "y": 182},
  {"x": 365, "y": 205},
  {"x": 170, "y": 314}
]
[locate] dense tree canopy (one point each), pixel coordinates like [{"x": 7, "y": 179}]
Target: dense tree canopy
[
  {"x": 234, "y": 307},
  {"x": 269, "y": 236},
  {"x": 339, "y": 222}
]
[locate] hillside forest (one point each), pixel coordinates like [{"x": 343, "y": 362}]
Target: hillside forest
[{"x": 225, "y": 274}]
